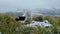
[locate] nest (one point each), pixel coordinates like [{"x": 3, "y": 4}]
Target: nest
[{"x": 37, "y": 18}]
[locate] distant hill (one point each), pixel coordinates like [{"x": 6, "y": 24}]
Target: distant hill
[{"x": 50, "y": 12}]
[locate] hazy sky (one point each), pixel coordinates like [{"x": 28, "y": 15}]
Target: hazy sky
[{"x": 29, "y": 4}]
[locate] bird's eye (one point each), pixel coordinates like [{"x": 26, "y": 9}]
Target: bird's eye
[{"x": 45, "y": 22}]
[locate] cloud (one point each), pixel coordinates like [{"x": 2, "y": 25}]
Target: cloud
[{"x": 29, "y": 4}]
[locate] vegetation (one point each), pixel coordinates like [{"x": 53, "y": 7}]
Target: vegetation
[
  {"x": 8, "y": 25},
  {"x": 55, "y": 21}
]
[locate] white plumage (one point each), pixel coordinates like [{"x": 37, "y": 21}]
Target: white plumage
[{"x": 45, "y": 23}]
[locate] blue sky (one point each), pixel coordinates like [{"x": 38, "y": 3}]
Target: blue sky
[{"x": 6, "y": 5}]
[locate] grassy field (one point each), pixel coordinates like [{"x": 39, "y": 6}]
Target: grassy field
[{"x": 8, "y": 26}]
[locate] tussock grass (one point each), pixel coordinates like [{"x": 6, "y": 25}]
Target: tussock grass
[{"x": 8, "y": 26}]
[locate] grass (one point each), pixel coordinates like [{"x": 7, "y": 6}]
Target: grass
[{"x": 8, "y": 26}]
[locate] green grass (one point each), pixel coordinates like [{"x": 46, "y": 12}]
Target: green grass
[{"x": 8, "y": 26}]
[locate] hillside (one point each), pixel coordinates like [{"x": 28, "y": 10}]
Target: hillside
[{"x": 8, "y": 25}]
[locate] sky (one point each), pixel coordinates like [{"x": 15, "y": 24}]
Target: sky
[{"x": 9, "y": 5}]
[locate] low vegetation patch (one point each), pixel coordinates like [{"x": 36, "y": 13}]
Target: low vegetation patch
[{"x": 8, "y": 25}]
